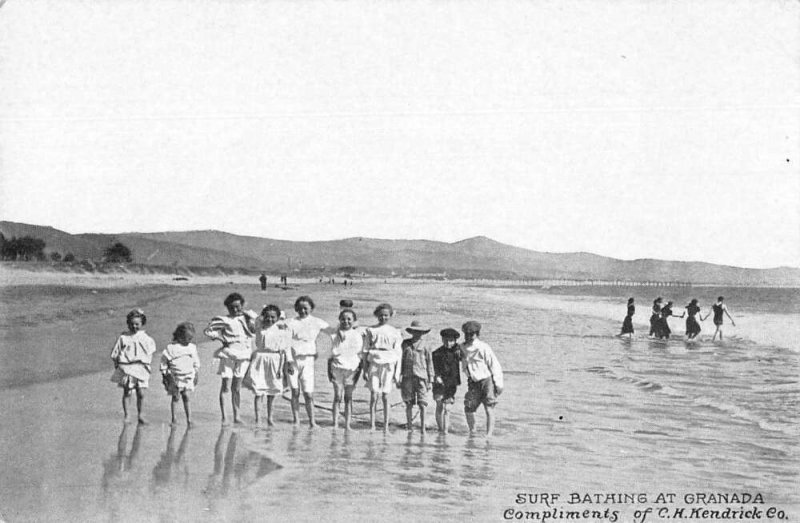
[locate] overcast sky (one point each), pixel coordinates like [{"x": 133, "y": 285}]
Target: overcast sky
[{"x": 629, "y": 129}]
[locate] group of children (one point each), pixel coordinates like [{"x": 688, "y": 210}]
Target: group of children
[
  {"x": 268, "y": 354},
  {"x": 659, "y": 324}
]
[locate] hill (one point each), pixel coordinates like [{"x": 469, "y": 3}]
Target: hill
[{"x": 477, "y": 257}]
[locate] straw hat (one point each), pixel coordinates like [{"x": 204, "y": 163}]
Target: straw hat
[{"x": 417, "y": 326}]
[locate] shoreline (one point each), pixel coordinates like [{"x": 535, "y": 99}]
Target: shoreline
[{"x": 20, "y": 275}]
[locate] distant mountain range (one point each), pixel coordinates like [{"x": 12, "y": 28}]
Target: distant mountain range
[{"x": 477, "y": 257}]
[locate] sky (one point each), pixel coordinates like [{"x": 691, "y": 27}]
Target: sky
[{"x": 631, "y": 129}]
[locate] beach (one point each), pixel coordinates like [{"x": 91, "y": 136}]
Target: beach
[{"x": 583, "y": 412}]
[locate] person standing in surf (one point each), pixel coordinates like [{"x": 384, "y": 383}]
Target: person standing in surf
[
  {"x": 718, "y": 309},
  {"x": 265, "y": 375},
  {"x": 484, "y": 376},
  {"x": 655, "y": 316},
  {"x": 235, "y": 331},
  {"x": 347, "y": 352},
  {"x": 627, "y": 323},
  {"x": 382, "y": 363},
  {"x": 663, "y": 329},
  {"x": 132, "y": 355},
  {"x": 692, "y": 327},
  {"x": 304, "y": 329}
]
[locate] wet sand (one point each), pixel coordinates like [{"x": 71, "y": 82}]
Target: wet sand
[{"x": 582, "y": 412}]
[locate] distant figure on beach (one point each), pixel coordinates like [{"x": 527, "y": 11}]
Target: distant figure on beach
[
  {"x": 627, "y": 323},
  {"x": 304, "y": 329},
  {"x": 347, "y": 353},
  {"x": 263, "y": 280},
  {"x": 692, "y": 327},
  {"x": 265, "y": 375},
  {"x": 179, "y": 366},
  {"x": 382, "y": 366},
  {"x": 718, "y": 309},
  {"x": 235, "y": 331},
  {"x": 484, "y": 376},
  {"x": 655, "y": 316},
  {"x": 416, "y": 370},
  {"x": 447, "y": 376},
  {"x": 132, "y": 354}
]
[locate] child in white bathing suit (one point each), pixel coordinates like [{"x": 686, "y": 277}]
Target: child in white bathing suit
[
  {"x": 382, "y": 362},
  {"x": 235, "y": 331},
  {"x": 179, "y": 366},
  {"x": 265, "y": 376},
  {"x": 304, "y": 329},
  {"x": 347, "y": 351},
  {"x": 132, "y": 355}
]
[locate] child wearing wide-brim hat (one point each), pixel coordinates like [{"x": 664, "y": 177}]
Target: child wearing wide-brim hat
[
  {"x": 447, "y": 378},
  {"x": 416, "y": 371}
]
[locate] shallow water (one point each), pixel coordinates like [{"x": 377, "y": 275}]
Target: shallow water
[{"x": 582, "y": 412}]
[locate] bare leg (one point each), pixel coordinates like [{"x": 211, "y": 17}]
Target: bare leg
[
  {"x": 295, "y": 406},
  {"x": 337, "y": 395},
  {"x": 373, "y": 401},
  {"x": 312, "y": 422},
  {"x": 270, "y": 399},
  {"x": 223, "y": 389},
  {"x": 172, "y": 406},
  {"x": 445, "y": 418},
  {"x": 438, "y": 415},
  {"x": 348, "y": 405},
  {"x": 140, "y": 405},
  {"x": 257, "y": 406},
  {"x": 236, "y": 395},
  {"x": 470, "y": 421},
  {"x": 385, "y": 399},
  {"x": 409, "y": 411},
  {"x": 422, "y": 418},
  {"x": 489, "y": 419},
  {"x": 126, "y": 402},
  {"x": 186, "y": 409}
]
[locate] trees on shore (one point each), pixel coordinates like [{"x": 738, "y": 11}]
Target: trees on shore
[
  {"x": 26, "y": 248},
  {"x": 29, "y": 248}
]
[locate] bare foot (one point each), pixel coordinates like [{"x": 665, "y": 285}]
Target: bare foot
[
  {"x": 312, "y": 425},
  {"x": 270, "y": 422},
  {"x": 238, "y": 421},
  {"x": 142, "y": 421}
]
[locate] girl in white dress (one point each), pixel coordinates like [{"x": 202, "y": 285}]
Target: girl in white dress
[
  {"x": 265, "y": 375},
  {"x": 304, "y": 329},
  {"x": 132, "y": 355},
  {"x": 382, "y": 362},
  {"x": 347, "y": 350},
  {"x": 179, "y": 366}
]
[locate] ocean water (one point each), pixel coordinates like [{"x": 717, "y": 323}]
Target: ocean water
[{"x": 583, "y": 412}]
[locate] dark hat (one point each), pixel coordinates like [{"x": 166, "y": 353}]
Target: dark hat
[
  {"x": 346, "y": 303},
  {"x": 417, "y": 326},
  {"x": 471, "y": 326},
  {"x": 450, "y": 333}
]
